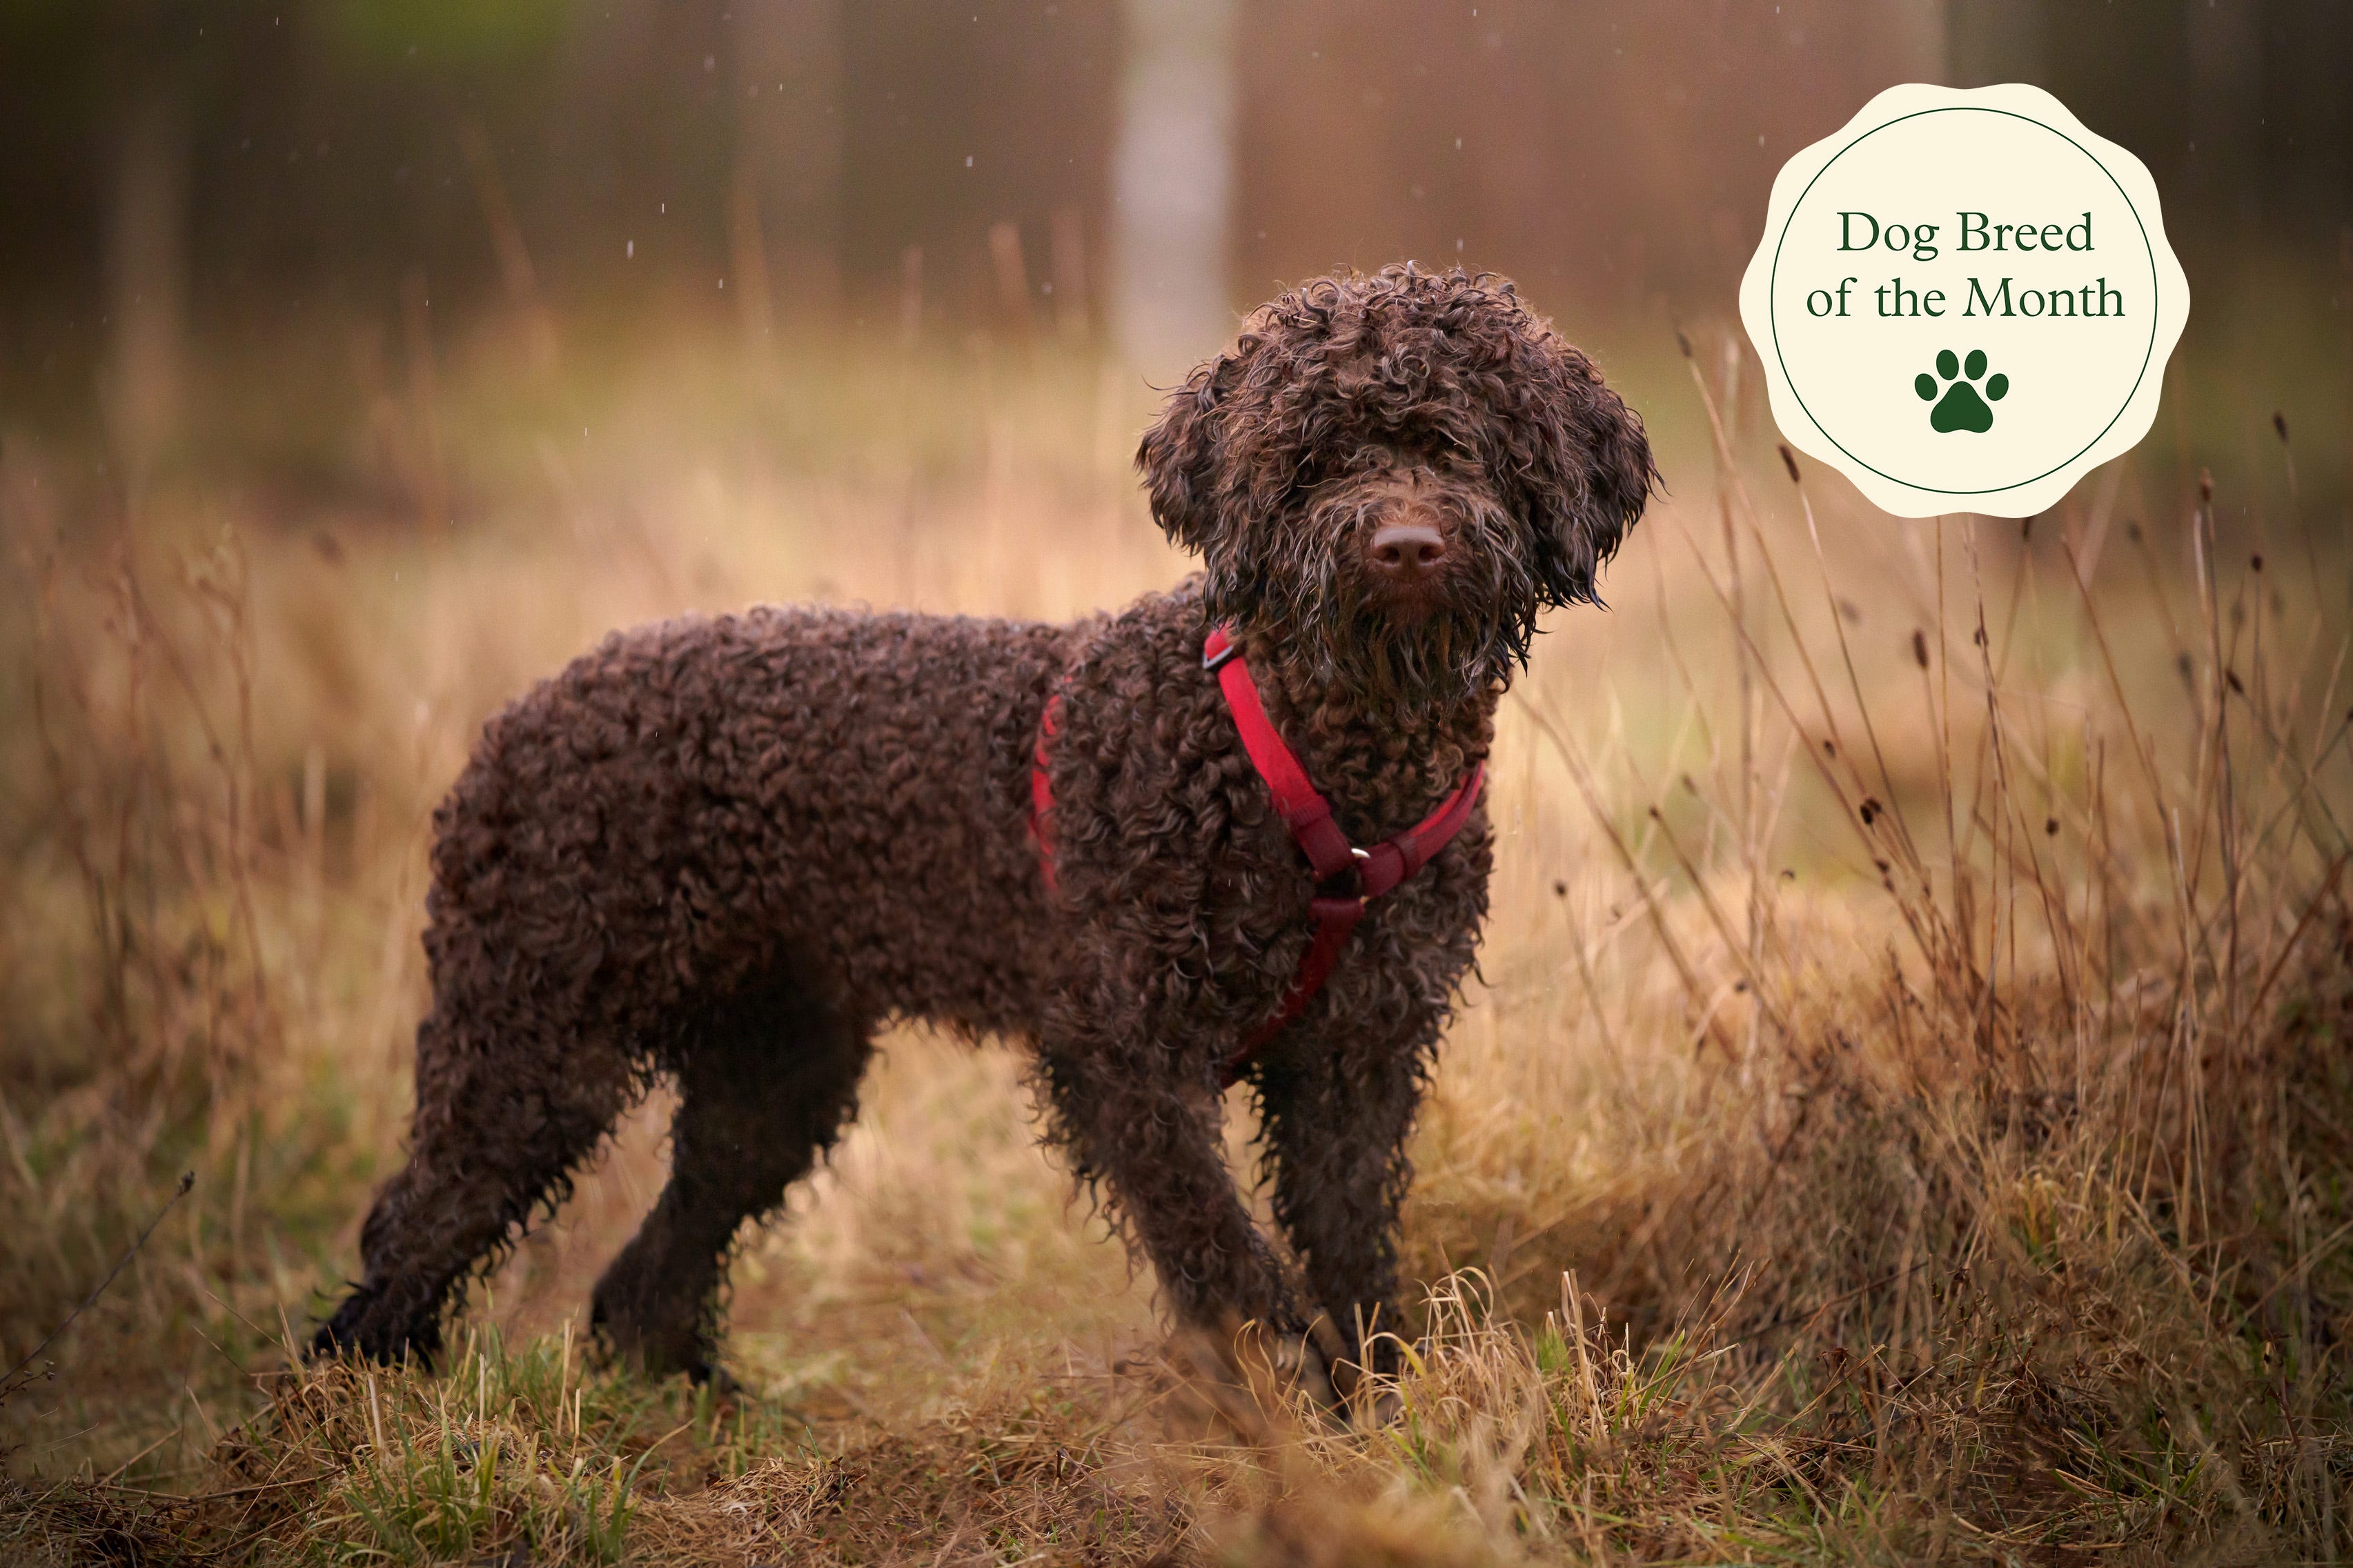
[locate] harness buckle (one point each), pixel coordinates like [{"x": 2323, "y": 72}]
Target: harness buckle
[
  {"x": 1211, "y": 661},
  {"x": 1348, "y": 881}
]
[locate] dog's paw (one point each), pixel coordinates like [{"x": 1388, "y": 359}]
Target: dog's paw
[
  {"x": 706, "y": 1373},
  {"x": 1299, "y": 1367},
  {"x": 1376, "y": 1405},
  {"x": 366, "y": 1327},
  {"x": 1255, "y": 1374}
]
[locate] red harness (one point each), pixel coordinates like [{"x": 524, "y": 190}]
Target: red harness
[{"x": 1336, "y": 861}]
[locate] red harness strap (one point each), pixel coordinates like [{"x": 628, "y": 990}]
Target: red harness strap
[
  {"x": 1041, "y": 788},
  {"x": 1306, "y": 812}
]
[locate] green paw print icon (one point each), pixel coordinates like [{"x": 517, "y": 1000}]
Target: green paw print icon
[{"x": 1961, "y": 408}]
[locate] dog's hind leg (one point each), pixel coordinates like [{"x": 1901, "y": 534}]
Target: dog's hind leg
[
  {"x": 766, "y": 1083},
  {"x": 505, "y": 1109}
]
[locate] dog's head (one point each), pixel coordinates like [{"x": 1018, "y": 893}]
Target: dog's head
[{"x": 1393, "y": 475}]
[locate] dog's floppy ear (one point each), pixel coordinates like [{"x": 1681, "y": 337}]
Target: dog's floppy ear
[
  {"x": 1584, "y": 466},
  {"x": 1182, "y": 453}
]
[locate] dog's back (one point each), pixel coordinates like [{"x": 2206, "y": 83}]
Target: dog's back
[{"x": 835, "y": 793}]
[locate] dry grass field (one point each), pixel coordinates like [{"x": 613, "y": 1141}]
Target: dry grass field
[{"x": 1905, "y": 1115}]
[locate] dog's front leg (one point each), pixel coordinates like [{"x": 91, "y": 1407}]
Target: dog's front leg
[
  {"x": 1145, "y": 1134},
  {"x": 1338, "y": 1111}
]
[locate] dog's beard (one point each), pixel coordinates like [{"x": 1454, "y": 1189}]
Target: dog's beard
[
  {"x": 1443, "y": 658},
  {"x": 1394, "y": 656}
]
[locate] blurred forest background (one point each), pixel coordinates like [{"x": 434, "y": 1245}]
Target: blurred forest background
[
  {"x": 234, "y": 223},
  {"x": 1906, "y": 1111}
]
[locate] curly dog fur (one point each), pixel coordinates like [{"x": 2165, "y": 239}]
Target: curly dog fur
[{"x": 728, "y": 850}]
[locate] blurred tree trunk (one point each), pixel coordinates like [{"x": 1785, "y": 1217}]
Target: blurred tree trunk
[
  {"x": 2226, "y": 177},
  {"x": 146, "y": 267},
  {"x": 1172, "y": 184},
  {"x": 1918, "y": 39},
  {"x": 784, "y": 200},
  {"x": 1991, "y": 41}
]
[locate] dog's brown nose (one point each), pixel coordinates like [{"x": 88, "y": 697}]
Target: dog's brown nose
[{"x": 1408, "y": 550}]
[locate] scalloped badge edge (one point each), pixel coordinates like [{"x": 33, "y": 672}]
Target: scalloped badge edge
[{"x": 2029, "y": 497}]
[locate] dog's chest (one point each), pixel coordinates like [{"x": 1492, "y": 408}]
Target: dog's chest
[
  {"x": 1169, "y": 842},
  {"x": 1382, "y": 790}
]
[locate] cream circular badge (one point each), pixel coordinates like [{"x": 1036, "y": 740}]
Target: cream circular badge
[{"x": 1964, "y": 300}]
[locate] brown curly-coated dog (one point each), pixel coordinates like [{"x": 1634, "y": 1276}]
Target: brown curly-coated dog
[{"x": 729, "y": 850}]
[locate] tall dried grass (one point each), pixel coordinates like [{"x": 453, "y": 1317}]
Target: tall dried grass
[{"x": 1905, "y": 1113}]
